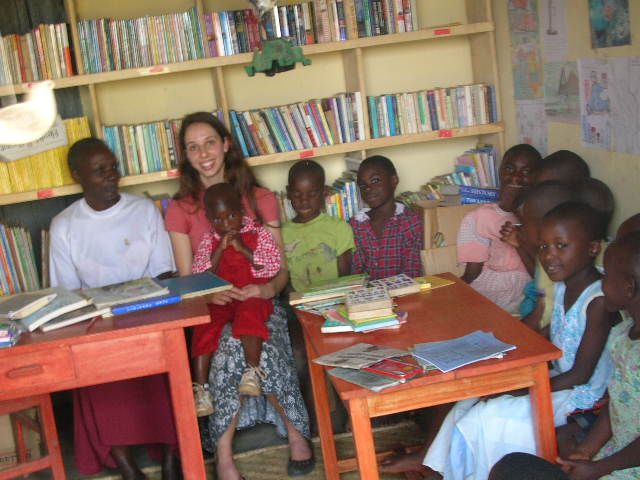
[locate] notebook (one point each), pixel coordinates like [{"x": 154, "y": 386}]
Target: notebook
[
  {"x": 65, "y": 301},
  {"x": 195, "y": 285},
  {"x": 18, "y": 306}
]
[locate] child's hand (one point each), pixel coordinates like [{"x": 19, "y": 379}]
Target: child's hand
[
  {"x": 510, "y": 234},
  {"x": 580, "y": 469},
  {"x": 257, "y": 267},
  {"x": 235, "y": 241}
]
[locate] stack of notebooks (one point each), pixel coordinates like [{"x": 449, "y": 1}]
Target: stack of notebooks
[
  {"x": 58, "y": 307},
  {"x": 458, "y": 352},
  {"x": 369, "y": 308},
  {"x": 371, "y": 366},
  {"x": 327, "y": 293}
]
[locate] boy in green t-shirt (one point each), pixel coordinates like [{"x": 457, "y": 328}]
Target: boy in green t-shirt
[{"x": 317, "y": 246}]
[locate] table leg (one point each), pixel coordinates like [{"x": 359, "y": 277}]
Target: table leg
[
  {"x": 542, "y": 407},
  {"x": 363, "y": 439},
  {"x": 323, "y": 415},
  {"x": 53, "y": 443},
  {"x": 183, "y": 407}
]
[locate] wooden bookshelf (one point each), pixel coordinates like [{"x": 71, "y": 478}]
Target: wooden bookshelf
[
  {"x": 245, "y": 58},
  {"x": 153, "y": 177},
  {"x": 477, "y": 29}
]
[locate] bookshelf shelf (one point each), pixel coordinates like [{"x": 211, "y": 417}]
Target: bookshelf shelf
[
  {"x": 433, "y": 136},
  {"x": 245, "y": 58}
]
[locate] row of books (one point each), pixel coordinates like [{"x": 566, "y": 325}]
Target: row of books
[
  {"x": 146, "y": 147},
  {"x": 45, "y": 169},
  {"x": 238, "y": 31},
  {"x": 18, "y": 272},
  {"x": 108, "y": 44},
  {"x": 427, "y": 110},
  {"x": 299, "y": 126},
  {"x": 58, "y": 307},
  {"x": 40, "y": 54},
  {"x": 381, "y": 17}
]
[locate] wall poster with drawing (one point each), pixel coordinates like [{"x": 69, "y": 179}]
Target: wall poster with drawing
[{"x": 609, "y": 23}]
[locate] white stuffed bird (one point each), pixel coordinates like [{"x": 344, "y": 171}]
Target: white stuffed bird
[
  {"x": 28, "y": 121},
  {"x": 263, "y": 6}
]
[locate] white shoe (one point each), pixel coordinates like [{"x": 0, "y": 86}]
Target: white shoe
[
  {"x": 250, "y": 382},
  {"x": 203, "y": 400}
]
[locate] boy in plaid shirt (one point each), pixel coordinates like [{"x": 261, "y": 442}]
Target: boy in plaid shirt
[
  {"x": 243, "y": 253},
  {"x": 388, "y": 235}
]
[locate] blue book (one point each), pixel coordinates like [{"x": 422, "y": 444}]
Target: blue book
[
  {"x": 391, "y": 115},
  {"x": 486, "y": 193},
  {"x": 146, "y": 304},
  {"x": 195, "y": 285},
  {"x": 238, "y": 133},
  {"x": 467, "y": 200}
]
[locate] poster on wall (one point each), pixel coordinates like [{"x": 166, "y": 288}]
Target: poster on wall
[
  {"x": 553, "y": 30},
  {"x": 525, "y": 49},
  {"x": 561, "y": 92},
  {"x": 595, "y": 103},
  {"x": 532, "y": 125},
  {"x": 624, "y": 87},
  {"x": 609, "y": 23}
]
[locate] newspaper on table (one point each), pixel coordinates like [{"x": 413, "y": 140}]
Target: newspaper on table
[
  {"x": 458, "y": 352},
  {"x": 359, "y": 355}
]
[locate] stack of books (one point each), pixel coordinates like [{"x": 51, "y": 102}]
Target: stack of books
[
  {"x": 58, "y": 307},
  {"x": 369, "y": 308},
  {"x": 328, "y": 292},
  {"x": 46, "y": 169},
  {"x": 9, "y": 334}
]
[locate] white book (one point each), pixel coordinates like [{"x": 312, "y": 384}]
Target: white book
[{"x": 65, "y": 301}]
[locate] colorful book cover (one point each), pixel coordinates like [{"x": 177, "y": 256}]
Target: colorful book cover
[
  {"x": 368, "y": 298},
  {"x": 125, "y": 292}
]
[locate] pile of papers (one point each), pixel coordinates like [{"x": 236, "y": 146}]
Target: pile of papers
[
  {"x": 458, "y": 352},
  {"x": 370, "y": 366}
]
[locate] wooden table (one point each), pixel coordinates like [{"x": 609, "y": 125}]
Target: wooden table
[
  {"x": 110, "y": 349},
  {"x": 439, "y": 314}
]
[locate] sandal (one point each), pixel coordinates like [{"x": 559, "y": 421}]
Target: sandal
[{"x": 300, "y": 468}]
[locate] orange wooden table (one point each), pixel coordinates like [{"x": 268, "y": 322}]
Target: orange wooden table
[
  {"x": 434, "y": 315},
  {"x": 116, "y": 348}
]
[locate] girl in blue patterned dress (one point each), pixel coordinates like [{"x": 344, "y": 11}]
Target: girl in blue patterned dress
[
  {"x": 612, "y": 448},
  {"x": 478, "y": 432}
]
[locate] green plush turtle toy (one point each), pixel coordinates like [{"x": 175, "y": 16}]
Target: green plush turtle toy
[{"x": 277, "y": 55}]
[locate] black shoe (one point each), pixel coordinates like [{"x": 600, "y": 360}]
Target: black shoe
[{"x": 300, "y": 468}]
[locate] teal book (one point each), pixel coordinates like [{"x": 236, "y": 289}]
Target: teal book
[{"x": 195, "y": 285}]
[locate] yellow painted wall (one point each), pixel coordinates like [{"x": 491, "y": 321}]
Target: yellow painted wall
[{"x": 620, "y": 171}]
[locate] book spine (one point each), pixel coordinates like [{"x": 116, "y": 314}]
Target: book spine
[
  {"x": 136, "y": 307},
  {"x": 468, "y": 200},
  {"x": 487, "y": 193}
]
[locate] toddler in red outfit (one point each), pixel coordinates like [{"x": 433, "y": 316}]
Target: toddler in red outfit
[{"x": 241, "y": 252}]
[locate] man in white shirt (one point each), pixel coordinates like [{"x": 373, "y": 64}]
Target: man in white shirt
[{"x": 110, "y": 237}]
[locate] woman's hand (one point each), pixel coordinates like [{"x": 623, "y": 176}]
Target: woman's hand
[{"x": 227, "y": 296}]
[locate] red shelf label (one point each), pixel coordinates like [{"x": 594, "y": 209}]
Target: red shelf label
[
  {"x": 173, "y": 173},
  {"x": 48, "y": 193},
  {"x": 445, "y": 133},
  {"x": 442, "y": 31},
  {"x": 306, "y": 154}
]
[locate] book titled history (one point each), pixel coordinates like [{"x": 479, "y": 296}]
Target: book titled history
[{"x": 125, "y": 292}]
